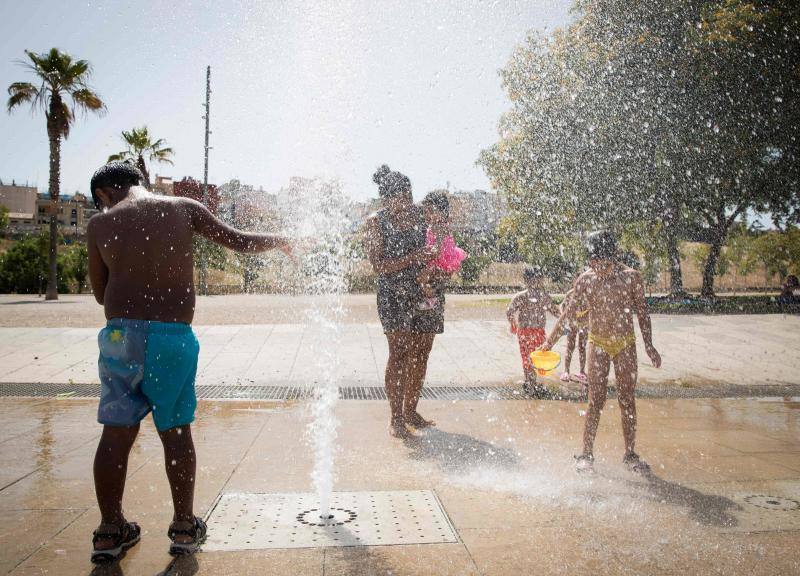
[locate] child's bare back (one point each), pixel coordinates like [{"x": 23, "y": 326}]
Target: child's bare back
[
  {"x": 145, "y": 243},
  {"x": 140, "y": 254},
  {"x": 530, "y": 308}
]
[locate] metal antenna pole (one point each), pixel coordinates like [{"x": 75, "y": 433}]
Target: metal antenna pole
[{"x": 203, "y": 285}]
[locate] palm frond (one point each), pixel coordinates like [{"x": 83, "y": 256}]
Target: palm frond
[
  {"x": 65, "y": 120},
  {"x": 162, "y": 155},
  {"x": 61, "y": 75},
  {"x": 86, "y": 100},
  {"x": 140, "y": 145},
  {"x": 79, "y": 71},
  {"x": 20, "y": 93},
  {"x": 121, "y": 156}
]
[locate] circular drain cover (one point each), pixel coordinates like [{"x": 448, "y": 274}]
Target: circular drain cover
[
  {"x": 338, "y": 516},
  {"x": 772, "y": 502}
]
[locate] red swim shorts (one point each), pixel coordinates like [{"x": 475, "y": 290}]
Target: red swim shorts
[{"x": 529, "y": 340}]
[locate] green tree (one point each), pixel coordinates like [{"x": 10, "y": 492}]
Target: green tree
[
  {"x": 749, "y": 154},
  {"x": 481, "y": 251},
  {"x": 740, "y": 253},
  {"x": 215, "y": 255},
  {"x": 62, "y": 91},
  {"x": 3, "y": 218},
  {"x": 628, "y": 116},
  {"x": 648, "y": 241},
  {"x": 779, "y": 251},
  {"x": 700, "y": 256},
  {"x": 24, "y": 266},
  {"x": 79, "y": 265},
  {"x": 140, "y": 144}
]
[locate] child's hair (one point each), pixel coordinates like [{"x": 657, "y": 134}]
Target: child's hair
[
  {"x": 602, "y": 245},
  {"x": 532, "y": 273},
  {"x": 390, "y": 183},
  {"x": 439, "y": 200},
  {"x": 116, "y": 174},
  {"x": 792, "y": 281}
]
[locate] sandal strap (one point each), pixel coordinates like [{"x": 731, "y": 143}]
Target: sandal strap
[
  {"x": 191, "y": 532},
  {"x": 118, "y": 532}
]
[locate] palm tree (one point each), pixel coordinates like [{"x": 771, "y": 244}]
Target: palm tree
[
  {"x": 62, "y": 92},
  {"x": 140, "y": 144}
]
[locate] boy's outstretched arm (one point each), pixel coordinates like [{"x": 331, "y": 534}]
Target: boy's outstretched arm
[
  {"x": 211, "y": 227},
  {"x": 554, "y": 308},
  {"x": 645, "y": 325},
  {"x": 98, "y": 271},
  {"x": 567, "y": 314}
]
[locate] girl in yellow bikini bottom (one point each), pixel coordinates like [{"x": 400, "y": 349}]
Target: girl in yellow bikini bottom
[{"x": 613, "y": 345}]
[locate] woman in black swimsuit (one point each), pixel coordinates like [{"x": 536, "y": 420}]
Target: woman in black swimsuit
[{"x": 395, "y": 243}]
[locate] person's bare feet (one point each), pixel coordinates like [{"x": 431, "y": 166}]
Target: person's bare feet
[
  {"x": 397, "y": 429},
  {"x": 417, "y": 421}
]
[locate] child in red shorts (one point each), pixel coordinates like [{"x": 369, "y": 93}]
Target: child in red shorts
[{"x": 527, "y": 314}]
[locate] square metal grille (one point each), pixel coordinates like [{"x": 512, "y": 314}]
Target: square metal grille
[
  {"x": 261, "y": 521},
  {"x": 761, "y": 506}
]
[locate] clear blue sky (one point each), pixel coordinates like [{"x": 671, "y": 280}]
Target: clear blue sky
[{"x": 315, "y": 88}]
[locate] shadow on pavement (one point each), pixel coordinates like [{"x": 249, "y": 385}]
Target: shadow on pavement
[
  {"x": 181, "y": 566},
  {"x": 707, "y": 509},
  {"x": 358, "y": 558},
  {"x": 458, "y": 452},
  {"x": 110, "y": 569}
]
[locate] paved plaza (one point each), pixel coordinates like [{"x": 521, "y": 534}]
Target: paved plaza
[
  {"x": 475, "y": 350},
  {"x": 724, "y": 496},
  {"x": 501, "y": 470}
]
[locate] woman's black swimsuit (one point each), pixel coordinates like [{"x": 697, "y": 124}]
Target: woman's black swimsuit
[{"x": 399, "y": 294}]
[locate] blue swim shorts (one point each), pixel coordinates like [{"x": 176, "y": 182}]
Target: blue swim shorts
[{"x": 147, "y": 366}]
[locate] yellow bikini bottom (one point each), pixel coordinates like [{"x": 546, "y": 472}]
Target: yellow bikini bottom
[{"x": 613, "y": 345}]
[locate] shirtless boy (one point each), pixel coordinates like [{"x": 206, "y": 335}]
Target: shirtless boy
[
  {"x": 141, "y": 270},
  {"x": 611, "y": 293},
  {"x": 527, "y": 314}
]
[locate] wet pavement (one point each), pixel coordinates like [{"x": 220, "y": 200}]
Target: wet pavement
[
  {"x": 697, "y": 351},
  {"x": 723, "y": 497}
]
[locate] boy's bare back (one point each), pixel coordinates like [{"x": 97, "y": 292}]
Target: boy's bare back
[
  {"x": 140, "y": 254},
  {"x": 531, "y": 308},
  {"x": 145, "y": 243}
]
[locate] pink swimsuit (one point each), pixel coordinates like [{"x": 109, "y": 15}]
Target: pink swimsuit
[{"x": 450, "y": 256}]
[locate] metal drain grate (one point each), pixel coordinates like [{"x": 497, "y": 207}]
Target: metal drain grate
[
  {"x": 749, "y": 507},
  {"x": 262, "y": 521},
  {"x": 361, "y": 392},
  {"x": 223, "y": 392},
  {"x": 773, "y": 502}
]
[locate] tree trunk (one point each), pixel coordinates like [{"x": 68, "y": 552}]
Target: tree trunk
[
  {"x": 711, "y": 264},
  {"x": 54, "y": 136},
  {"x": 143, "y": 169},
  {"x": 674, "y": 256}
]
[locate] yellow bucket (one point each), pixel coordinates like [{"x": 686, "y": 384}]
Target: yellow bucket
[{"x": 545, "y": 361}]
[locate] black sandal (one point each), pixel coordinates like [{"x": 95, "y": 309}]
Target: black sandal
[
  {"x": 197, "y": 533},
  {"x": 123, "y": 537},
  {"x": 635, "y": 464},
  {"x": 584, "y": 464}
]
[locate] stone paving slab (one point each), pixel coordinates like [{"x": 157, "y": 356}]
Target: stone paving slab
[
  {"x": 697, "y": 351},
  {"x": 502, "y": 471}
]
